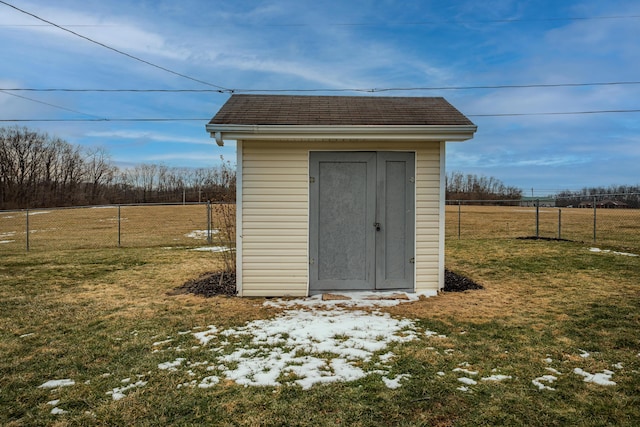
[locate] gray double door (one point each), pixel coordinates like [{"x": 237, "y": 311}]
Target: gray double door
[{"x": 362, "y": 221}]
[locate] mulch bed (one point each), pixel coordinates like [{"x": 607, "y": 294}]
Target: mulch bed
[
  {"x": 548, "y": 239},
  {"x": 211, "y": 284},
  {"x": 454, "y": 282}
]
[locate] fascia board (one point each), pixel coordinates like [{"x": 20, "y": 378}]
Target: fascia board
[{"x": 375, "y": 133}]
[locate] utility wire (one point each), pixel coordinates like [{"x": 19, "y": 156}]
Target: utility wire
[
  {"x": 372, "y": 90},
  {"x": 555, "y": 113},
  {"x": 221, "y": 89},
  {"x": 392, "y": 24},
  {"x": 48, "y": 104},
  {"x": 185, "y": 119}
]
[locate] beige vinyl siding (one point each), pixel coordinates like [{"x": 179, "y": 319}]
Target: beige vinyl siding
[
  {"x": 274, "y": 219},
  {"x": 275, "y": 216},
  {"x": 428, "y": 217}
]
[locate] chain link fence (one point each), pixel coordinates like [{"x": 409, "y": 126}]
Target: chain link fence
[
  {"x": 202, "y": 224},
  {"x": 597, "y": 222},
  {"x": 148, "y": 225}
]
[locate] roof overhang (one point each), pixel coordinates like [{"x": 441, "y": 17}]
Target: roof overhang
[{"x": 222, "y": 132}]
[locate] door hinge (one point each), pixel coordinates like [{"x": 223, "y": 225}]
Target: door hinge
[
  {"x": 312, "y": 261},
  {"x": 412, "y": 179},
  {"x": 312, "y": 179},
  {"x": 412, "y": 261}
]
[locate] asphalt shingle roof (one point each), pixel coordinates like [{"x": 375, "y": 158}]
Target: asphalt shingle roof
[{"x": 338, "y": 111}]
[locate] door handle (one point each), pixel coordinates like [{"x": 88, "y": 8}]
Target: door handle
[{"x": 377, "y": 226}]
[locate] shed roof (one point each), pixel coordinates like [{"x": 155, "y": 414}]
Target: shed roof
[
  {"x": 338, "y": 118},
  {"x": 338, "y": 111}
]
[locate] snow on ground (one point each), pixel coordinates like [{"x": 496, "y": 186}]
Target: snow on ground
[
  {"x": 308, "y": 347},
  {"x": 352, "y": 299},
  {"x": 57, "y": 383},
  {"x": 201, "y": 234},
  {"x": 538, "y": 382},
  {"x": 118, "y": 392},
  {"x": 212, "y": 249},
  {"x": 606, "y": 251},
  {"x": 603, "y": 378}
]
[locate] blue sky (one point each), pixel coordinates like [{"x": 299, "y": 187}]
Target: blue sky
[{"x": 299, "y": 44}]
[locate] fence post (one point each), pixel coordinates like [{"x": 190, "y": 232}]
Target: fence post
[
  {"x": 27, "y": 234},
  {"x": 537, "y": 218},
  {"x": 119, "y": 226},
  {"x": 559, "y": 224},
  {"x": 459, "y": 225},
  {"x": 594, "y": 218},
  {"x": 209, "y": 221}
]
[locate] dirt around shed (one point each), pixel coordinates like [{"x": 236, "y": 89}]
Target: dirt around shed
[{"x": 222, "y": 283}]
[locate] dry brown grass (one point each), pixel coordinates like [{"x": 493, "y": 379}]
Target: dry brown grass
[{"x": 619, "y": 227}]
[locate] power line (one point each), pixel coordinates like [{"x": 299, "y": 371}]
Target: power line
[
  {"x": 147, "y": 119},
  {"x": 48, "y": 104},
  {"x": 184, "y": 119},
  {"x": 371, "y": 90},
  {"x": 389, "y": 23},
  {"x": 114, "y": 49},
  {"x": 555, "y": 113}
]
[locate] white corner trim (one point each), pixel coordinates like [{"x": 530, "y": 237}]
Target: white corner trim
[
  {"x": 239, "y": 218},
  {"x": 442, "y": 219}
]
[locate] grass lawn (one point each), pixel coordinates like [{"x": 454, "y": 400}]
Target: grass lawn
[{"x": 515, "y": 353}]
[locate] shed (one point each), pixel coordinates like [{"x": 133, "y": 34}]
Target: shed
[{"x": 339, "y": 193}]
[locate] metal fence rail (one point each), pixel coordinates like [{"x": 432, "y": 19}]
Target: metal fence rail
[
  {"x": 193, "y": 224},
  {"x": 148, "y": 225},
  {"x": 595, "y": 224}
]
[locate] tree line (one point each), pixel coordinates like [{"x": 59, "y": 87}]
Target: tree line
[
  {"x": 629, "y": 194},
  {"x": 473, "y": 187},
  {"x": 38, "y": 170}
]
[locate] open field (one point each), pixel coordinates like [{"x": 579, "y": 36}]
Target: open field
[
  {"x": 177, "y": 225},
  {"x": 515, "y": 353},
  {"x": 106, "y": 226},
  {"x": 619, "y": 228}
]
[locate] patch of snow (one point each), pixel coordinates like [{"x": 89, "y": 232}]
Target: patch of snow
[
  {"x": 553, "y": 371},
  {"x": 57, "y": 383},
  {"x": 307, "y": 346},
  {"x": 434, "y": 334},
  {"x": 208, "y": 382},
  {"x": 441, "y": 374},
  {"x": 606, "y": 251},
  {"x": 356, "y": 299},
  {"x": 200, "y": 234},
  {"x": 395, "y": 382},
  {"x": 467, "y": 381},
  {"x": 386, "y": 357},
  {"x": 58, "y": 411},
  {"x": 584, "y": 354},
  {"x": 118, "y": 392},
  {"x": 205, "y": 336},
  {"x": 546, "y": 378},
  {"x": 463, "y": 388},
  {"x": 465, "y": 371},
  {"x": 53, "y": 402},
  {"x": 212, "y": 249},
  {"x": 171, "y": 366},
  {"x": 617, "y": 365},
  {"x": 548, "y": 360},
  {"x": 27, "y": 335},
  {"x": 157, "y": 343},
  {"x": 496, "y": 377},
  {"x": 6, "y": 241},
  {"x": 603, "y": 378}
]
